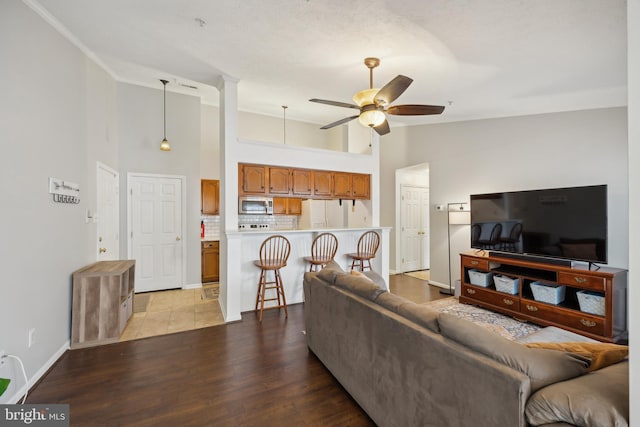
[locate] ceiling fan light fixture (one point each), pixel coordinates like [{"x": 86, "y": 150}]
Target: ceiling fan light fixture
[
  {"x": 365, "y": 97},
  {"x": 371, "y": 118}
]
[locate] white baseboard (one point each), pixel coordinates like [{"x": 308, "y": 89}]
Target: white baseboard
[
  {"x": 438, "y": 284},
  {"x": 17, "y": 396},
  {"x": 192, "y": 286}
]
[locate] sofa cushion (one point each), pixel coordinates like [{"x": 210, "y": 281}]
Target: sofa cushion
[
  {"x": 359, "y": 285},
  {"x": 420, "y": 314},
  {"x": 599, "y": 398},
  {"x": 543, "y": 367},
  {"x": 391, "y": 301},
  {"x": 601, "y": 354},
  {"x": 330, "y": 271},
  {"x": 554, "y": 334}
]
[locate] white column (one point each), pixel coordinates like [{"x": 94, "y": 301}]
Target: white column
[{"x": 230, "y": 291}]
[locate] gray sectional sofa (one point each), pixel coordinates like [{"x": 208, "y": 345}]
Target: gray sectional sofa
[{"x": 407, "y": 365}]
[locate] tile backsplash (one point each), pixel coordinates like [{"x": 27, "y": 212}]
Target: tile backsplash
[
  {"x": 276, "y": 222},
  {"x": 211, "y": 227}
]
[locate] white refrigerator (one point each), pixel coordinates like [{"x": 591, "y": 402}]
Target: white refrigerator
[{"x": 318, "y": 214}]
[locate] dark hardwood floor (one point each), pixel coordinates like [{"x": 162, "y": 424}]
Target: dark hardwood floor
[{"x": 240, "y": 374}]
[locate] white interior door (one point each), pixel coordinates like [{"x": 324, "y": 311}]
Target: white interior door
[
  {"x": 155, "y": 231},
  {"x": 414, "y": 228},
  {"x": 107, "y": 213},
  {"x": 411, "y": 227}
]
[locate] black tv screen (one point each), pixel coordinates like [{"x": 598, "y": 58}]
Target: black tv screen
[{"x": 568, "y": 223}]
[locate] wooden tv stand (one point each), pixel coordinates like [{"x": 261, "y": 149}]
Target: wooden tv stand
[{"x": 609, "y": 282}]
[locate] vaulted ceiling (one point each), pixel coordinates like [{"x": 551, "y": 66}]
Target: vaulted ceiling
[{"x": 478, "y": 58}]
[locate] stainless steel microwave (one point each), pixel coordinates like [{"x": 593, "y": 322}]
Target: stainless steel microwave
[{"x": 255, "y": 205}]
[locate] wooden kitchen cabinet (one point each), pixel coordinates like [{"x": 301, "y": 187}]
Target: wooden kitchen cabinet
[
  {"x": 279, "y": 180},
  {"x": 287, "y": 206},
  {"x": 322, "y": 181},
  {"x": 342, "y": 185},
  {"x": 102, "y": 302},
  {"x": 210, "y": 196},
  {"x": 360, "y": 186},
  {"x": 301, "y": 182},
  {"x": 210, "y": 261},
  {"x": 252, "y": 179}
]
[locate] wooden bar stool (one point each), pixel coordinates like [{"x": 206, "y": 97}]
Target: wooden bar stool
[
  {"x": 367, "y": 248},
  {"x": 323, "y": 249},
  {"x": 274, "y": 253}
]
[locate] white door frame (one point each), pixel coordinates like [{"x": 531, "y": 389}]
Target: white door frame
[
  {"x": 183, "y": 208},
  {"x": 99, "y": 166}
]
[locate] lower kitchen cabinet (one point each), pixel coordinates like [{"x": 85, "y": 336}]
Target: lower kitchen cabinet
[{"x": 210, "y": 261}]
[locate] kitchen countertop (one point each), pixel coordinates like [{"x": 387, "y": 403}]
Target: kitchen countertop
[{"x": 303, "y": 230}]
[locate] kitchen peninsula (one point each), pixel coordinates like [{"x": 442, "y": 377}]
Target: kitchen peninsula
[{"x": 300, "y": 239}]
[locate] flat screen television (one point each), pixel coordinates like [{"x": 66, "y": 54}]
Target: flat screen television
[{"x": 566, "y": 223}]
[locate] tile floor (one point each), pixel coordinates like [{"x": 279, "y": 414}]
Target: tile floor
[{"x": 173, "y": 311}]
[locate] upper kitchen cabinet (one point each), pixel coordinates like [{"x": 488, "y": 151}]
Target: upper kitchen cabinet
[
  {"x": 302, "y": 180},
  {"x": 210, "y": 197},
  {"x": 322, "y": 184},
  {"x": 279, "y": 180},
  {"x": 342, "y": 185},
  {"x": 287, "y": 206},
  {"x": 253, "y": 179},
  {"x": 360, "y": 186}
]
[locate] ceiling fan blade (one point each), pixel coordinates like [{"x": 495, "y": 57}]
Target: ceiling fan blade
[
  {"x": 382, "y": 128},
  {"x": 392, "y": 90},
  {"x": 414, "y": 110},
  {"x": 339, "y": 122},
  {"x": 335, "y": 103}
]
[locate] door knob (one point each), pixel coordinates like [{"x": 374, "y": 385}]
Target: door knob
[
  {"x": 102, "y": 250},
  {"x": 177, "y": 238}
]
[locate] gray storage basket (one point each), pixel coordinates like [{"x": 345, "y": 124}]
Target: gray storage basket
[
  {"x": 480, "y": 278},
  {"x": 551, "y": 294},
  {"x": 591, "y": 302},
  {"x": 506, "y": 284}
]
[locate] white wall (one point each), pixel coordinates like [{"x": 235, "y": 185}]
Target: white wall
[
  {"x": 56, "y": 119},
  {"x": 255, "y": 127},
  {"x": 633, "y": 48},
  {"x": 140, "y": 122},
  {"x": 209, "y": 142},
  {"x": 516, "y": 153}
]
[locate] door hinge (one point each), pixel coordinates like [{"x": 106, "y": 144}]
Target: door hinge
[{"x": 132, "y": 234}]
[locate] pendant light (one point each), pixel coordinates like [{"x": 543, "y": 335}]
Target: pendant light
[{"x": 164, "y": 145}]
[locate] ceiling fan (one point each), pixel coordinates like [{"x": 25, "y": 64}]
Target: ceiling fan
[{"x": 374, "y": 103}]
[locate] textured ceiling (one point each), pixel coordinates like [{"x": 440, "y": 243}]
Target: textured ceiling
[{"x": 479, "y": 58}]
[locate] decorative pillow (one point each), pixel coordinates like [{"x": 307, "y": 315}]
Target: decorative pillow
[
  {"x": 543, "y": 367},
  {"x": 601, "y": 354},
  {"x": 377, "y": 279},
  {"x": 359, "y": 286},
  {"x": 600, "y": 398},
  {"x": 330, "y": 271},
  {"x": 420, "y": 314}
]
